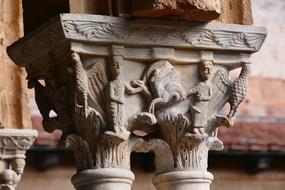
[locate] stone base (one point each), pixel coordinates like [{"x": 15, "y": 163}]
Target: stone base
[
  {"x": 103, "y": 179},
  {"x": 182, "y": 180}
]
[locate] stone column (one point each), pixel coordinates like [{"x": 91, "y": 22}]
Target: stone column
[
  {"x": 107, "y": 78},
  {"x": 13, "y": 146},
  {"x": 13, "y": 101},
  {"x": 13, "y": 92}
]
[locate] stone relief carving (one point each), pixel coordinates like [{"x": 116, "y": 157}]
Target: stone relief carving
[
  {"x": 94, "y": 28},
  {"x": 116, "y": 90},
  {"x": 120, "y": 76},
  {"x": 196, "y": 37},
  {"x": 237, "y": 89},
  {"x": 203, "y": 94},
  {"x": 102, "y": 135},
  {"x": 13, "y": 146},
  {"x": 164, "y": 83},
  {"x": 103, "y": 143}
]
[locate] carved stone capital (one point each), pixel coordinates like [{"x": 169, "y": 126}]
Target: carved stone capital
[
  {"x": 109, "y": 78},
  {"x": 13, "y": 146}
]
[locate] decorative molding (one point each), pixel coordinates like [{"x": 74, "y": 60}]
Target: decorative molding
[
  {"x": 192, "y": 36},
  {"x": 159, "y": 33}
]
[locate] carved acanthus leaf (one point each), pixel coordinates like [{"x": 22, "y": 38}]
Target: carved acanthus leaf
[
  {"x": 130, "y": 32},
  {"x": 254, "y": 40},
  {"x": 82, "y": 152},
  {"x": 163, "y": 155},
  {"x": 189, "y": 150},
  {"x": 202, "y": 36},
  {"x": 88, "y": 29},
  {"x": 224, "y": 38}
]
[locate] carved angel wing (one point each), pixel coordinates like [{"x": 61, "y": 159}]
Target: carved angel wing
[
  {"x": 220, "y": 95},
  {"x": 97, "y": 80}
]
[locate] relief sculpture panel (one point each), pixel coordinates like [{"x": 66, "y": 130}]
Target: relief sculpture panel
[
  {"x": 119, "y": 86},
  {"x": 102, "y": 132}
]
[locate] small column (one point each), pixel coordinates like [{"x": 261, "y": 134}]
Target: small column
[
  {"x": 106, "y": 78},
  {"x": 13, "y": 146}
]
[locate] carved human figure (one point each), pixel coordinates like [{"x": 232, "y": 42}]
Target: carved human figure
[
  {"x": 116, "y": 90},
  {"x": 202, "y": 93},
  {"x": 18, "y": 165}
]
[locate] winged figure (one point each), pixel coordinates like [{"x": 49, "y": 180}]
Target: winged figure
[{"x": 231, "y": 91}]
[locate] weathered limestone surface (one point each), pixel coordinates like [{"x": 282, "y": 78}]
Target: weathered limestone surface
[
  {"x": 236, "y": 12},
  {"x": 100, "y": 7},
  {"x": 224, "y": 11},
  {"x": 203, "y": 10},
  {"x": 13, "y": 100},
  {"x": 107, "y": 78}
]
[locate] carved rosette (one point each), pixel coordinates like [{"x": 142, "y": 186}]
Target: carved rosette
[
  {"x": 110, "y": 79},
  {"x": 13, "y": 146}
]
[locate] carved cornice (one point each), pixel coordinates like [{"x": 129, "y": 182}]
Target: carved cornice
[
  {"x": 14, "y": 141},
  {"x": 140, "y": 32},
  {"x": 159, "y": 33}
]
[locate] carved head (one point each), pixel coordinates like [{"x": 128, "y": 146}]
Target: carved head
[
  {"x": 18, "y": 165},
  {"x": 205, "y": 69},
  {"x": 116, "y": 66},
  {"x": 8, "y": 177}
]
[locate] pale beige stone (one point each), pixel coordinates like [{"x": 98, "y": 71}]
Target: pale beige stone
[
  {"x": 225, "y": 11},
  {"x": 13, "y": 98},
  {"x": 202, "y": 10},
  {"x": 236, "y": 12},
  {"x": 13, "y": 146}
]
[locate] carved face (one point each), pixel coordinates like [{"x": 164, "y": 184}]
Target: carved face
[
  {"x": 18, "y": 165},
  {"x": 206, "y": 69},
  {"x": 116, "y": 66}
]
